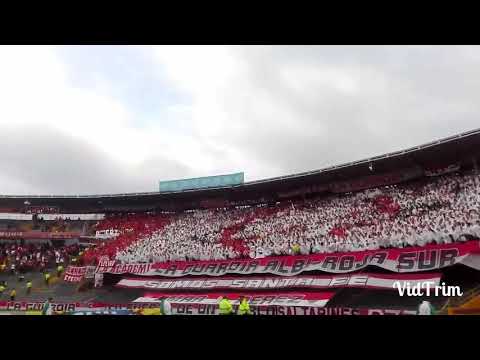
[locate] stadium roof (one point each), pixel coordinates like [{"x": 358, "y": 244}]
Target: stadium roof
[{"x": 461, "y": 148}]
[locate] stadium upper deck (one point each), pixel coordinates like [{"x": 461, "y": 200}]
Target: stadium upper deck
[{"x": 462, "y": 149}]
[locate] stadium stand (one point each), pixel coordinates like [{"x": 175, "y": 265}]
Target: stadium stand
[
  {"x": 27, "y": 258},
  {"x": 427, "y": 195},
  {"x": 441, "y": 210}
]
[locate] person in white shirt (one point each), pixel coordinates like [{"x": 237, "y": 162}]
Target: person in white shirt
[
  {"x": 166, "y": 308},
  {"x": 425, "y": 308}
]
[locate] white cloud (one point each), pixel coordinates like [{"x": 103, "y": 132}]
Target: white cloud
[
  {"x": 34, "y": 91},
  {"x": 267, "y": 111}
]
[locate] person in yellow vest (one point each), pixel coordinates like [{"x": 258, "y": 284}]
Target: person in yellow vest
[
  {"x": 149, "y": 311},
  {"x": 244, "y": 307},
  {"x": 47, "y": 278},
  {"x": 59, "y": 270},
  {"x": 296, "y": 249},
  {"x": 29, "y": 287},
  {"x": 2, "y": 289},
  {"x": 225, "y": 306},
  {"x": 13, "y": 294}
]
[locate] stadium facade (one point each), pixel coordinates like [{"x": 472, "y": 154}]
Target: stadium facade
[{"x": 462, "y": 149}]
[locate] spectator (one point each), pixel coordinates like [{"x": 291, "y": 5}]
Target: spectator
[
  {"x": 59, "y": 270},
  {"x": 47, "y": 307},
  {"x": 244, "y": 307},
  {"x": 13, "y": 294},
  {"x": 425, "y": 308},
  {"x": 225, "y": 306}
]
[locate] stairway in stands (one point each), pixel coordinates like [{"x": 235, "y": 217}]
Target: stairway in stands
[
  {"x": 469, "y": 303},
  {"x": 58, "y": 289}
]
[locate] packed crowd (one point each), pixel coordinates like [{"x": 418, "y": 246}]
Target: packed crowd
[
  {"x": 437, "y": 210},
  {"x": 131, "y": 227},
  {"x": 25, "y": 258},
  {"x": 194, "y": 235},
  {"x": 441, "y": 211}
]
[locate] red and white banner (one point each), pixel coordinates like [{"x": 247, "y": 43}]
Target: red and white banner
[
  {"x": 412, "y": 259},
  {"x": 112, "y": 267},
  {"x": 77, "y": 273},
  {"x": 362, "y": 280},
  {"x": 189, "y": 309},
  {"x": 38, "y": 235},
  {"x": 276, "y": 299},
  {"x": 107, "y": 234},
  {"x": 199, "y": 309},
  {"x": 71, "y": 306}
]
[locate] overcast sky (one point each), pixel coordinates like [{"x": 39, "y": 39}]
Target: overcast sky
[{"x": 110, "y": 119}]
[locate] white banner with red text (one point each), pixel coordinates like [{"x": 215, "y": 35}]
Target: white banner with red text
[
  {"x": 277, "y": 299},
  {"x": 411, "y": 259},
  {"x": 362, "y": 280},
  {"x": 78, "y": 273}
]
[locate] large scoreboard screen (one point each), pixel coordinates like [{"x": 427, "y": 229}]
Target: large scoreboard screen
[{"x": 202, "y": 182}]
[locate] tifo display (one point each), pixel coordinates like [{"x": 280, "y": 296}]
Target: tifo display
[{"x": 441, "y": 211}]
